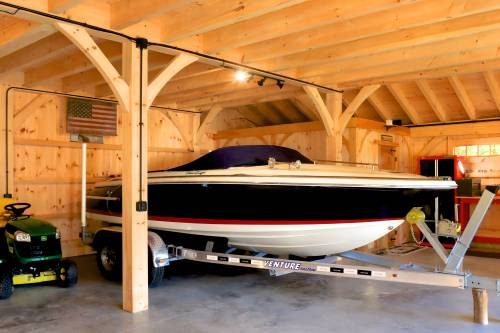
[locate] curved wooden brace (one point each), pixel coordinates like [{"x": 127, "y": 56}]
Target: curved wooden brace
[
  {"x": 37, "y": 102},
  {"x": 321, "y": 108},
  {"x": 214, "y": 111},
  {"x": 430, "y": 145},
  {"x": 175, "y": 66},
  {"x": 363, "y": 94},
  {"x": 175, "y": 123},
  {"x": 81, "y": 39},
  {"x": 262, "y": 139},
  {"x": 285, "y": 137},
  {"x": 363, "y": 141}
]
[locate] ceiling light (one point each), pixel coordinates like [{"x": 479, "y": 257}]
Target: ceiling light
[
  {"x": 241, "y": 76},
  {"x": 280, "y": 83},
  {"x": 261, "y": 81}
]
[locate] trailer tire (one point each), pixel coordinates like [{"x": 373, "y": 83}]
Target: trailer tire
[
  {"x": 109, "y": 261},
  {"x": 6, "y": 286},
  {"x": 67, "y": 276},
  {"x": 155, "y": 276}
]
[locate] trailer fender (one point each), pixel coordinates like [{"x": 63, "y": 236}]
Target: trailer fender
[
  {"x": 158, "y": 249},
  {"x": 156, "y": 244}
]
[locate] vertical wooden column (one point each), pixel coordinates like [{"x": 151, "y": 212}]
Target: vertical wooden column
[
  {"x": 6, "y": 141},
  {"x": 334, "y": 143},
  {"x": 135, "y": 226}
]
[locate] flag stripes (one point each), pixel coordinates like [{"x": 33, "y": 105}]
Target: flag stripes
[{"x": 90, "y": 117}]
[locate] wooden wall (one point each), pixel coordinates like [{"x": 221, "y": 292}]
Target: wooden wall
[{"x": 47, "y": 166}]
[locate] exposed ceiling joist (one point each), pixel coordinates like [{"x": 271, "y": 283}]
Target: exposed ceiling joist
[
  {"x": 462, "y": 95},
  {"x": 405, "y": 104},
  {"x": 494, "y": 88},
  {"x": 432, "y": 99}
]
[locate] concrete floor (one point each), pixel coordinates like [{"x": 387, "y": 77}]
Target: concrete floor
[{"x": 251, "y": 301}]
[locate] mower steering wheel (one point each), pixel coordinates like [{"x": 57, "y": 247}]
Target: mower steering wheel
[{"x": 17, "y": 209}]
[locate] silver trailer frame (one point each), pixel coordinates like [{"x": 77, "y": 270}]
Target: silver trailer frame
[{"x": 373, "y": 267}]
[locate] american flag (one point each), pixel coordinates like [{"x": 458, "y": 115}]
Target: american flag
[{"x": 90, "y": 117}]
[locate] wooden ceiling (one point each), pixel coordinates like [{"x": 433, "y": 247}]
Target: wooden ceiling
[{"x": 437, "y": 60}]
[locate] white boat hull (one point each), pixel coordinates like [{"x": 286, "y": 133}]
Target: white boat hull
[{"x": 282, "y": 239}]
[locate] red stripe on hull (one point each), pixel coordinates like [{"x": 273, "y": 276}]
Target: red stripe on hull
[{"x": 250, "y": 222}]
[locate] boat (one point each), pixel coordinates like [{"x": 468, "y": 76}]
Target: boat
[{"x": 275, "y": 200}]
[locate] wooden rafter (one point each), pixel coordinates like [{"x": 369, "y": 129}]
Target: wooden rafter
[
  {"x": 60, "y": 6},
  {"x": 379, "y": 107},
  {"x": 212, "y": 15},
  {"x": 289, "y": 20},
  {"x": 125, "y": 13},
  {"x": 371, "y": 34},
  {"x": 493, "y": 87},
  {"x": 405, "y": 104},
  {"x": 36, "y": 53},
  {"x": 70, "y": 64},
  {"x": 20, "y": 34},
  {"x": 432, "y": 99},
  {"x": 463, "y": 96}
]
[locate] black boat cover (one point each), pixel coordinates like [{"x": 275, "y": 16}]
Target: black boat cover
[{"x": 236, "y": 156}]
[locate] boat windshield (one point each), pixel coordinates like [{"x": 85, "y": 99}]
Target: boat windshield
[{"x": 237, "y": 156}]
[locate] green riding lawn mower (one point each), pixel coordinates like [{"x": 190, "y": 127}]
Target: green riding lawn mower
[{"x": 30, "y": 252}]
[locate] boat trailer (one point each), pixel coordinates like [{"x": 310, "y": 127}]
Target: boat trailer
[{"x": 373, "y": 267}]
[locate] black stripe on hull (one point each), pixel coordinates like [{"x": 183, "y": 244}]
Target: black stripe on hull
[{"x": 279, "y": 202}]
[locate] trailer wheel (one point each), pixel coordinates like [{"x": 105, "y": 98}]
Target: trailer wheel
[
  {"x": 109, "y": 261},
  {"x": 6, "y": 287},
  {"x": 155, "y": 273},
  {"x": 68, "y": 274}
]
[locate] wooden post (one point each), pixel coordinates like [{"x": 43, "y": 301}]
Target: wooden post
[
  {"x": 480, "y": 297},
  {"x": 334, "y": 143},
  {"x": 126, "y": 89},
  {"x": 6, "y": 141},
  {"x": 135, "y": 222}
]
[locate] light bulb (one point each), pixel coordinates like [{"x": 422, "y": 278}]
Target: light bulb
[{"x": 241, "y": 76}]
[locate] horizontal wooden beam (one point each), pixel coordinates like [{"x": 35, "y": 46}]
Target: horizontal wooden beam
[
  {"x": 310, "y": 126},
  {"x": 374, "y": 33},
  {"x": 446, "y": 71},
  {"x": 377, "y": 126},
  {"x": 103, "y": 146},
  {"x": 56, "y": 180},
  {"x": 210, "y": 15},
  {"x": 125, "y": 13},
  {"x": 308, "y": 15},
  {"x": 469, "y": 128},
  {"x": 386, "y": 143}
]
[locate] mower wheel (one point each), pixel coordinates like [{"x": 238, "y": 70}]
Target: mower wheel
[
  {"x": 5, "y": 283},
  {"x": 68, "y": 274},
  {"x": 109, "y": 261}
]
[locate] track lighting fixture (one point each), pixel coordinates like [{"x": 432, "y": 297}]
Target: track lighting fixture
[
  {"x": 261, "y": 81},
  {"x": 280, "y": 83}
]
